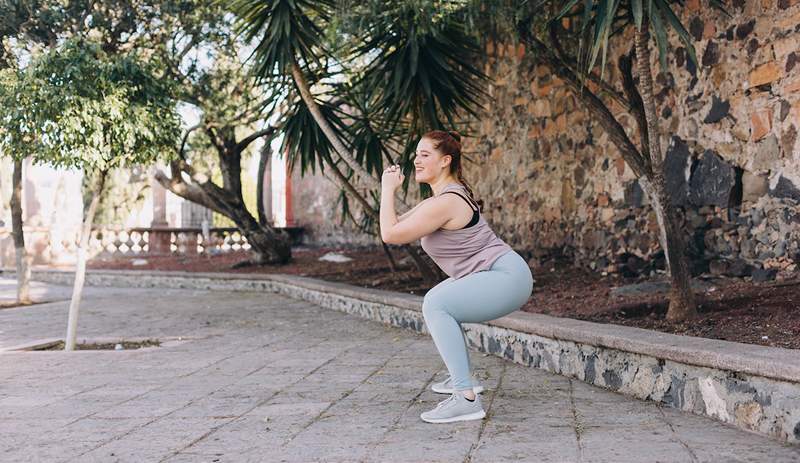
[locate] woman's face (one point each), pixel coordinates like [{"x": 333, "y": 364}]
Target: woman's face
[{"x": 429, "y": 163}]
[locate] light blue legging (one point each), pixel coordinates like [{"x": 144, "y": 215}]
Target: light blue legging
[{"x": 477, "y": 297}]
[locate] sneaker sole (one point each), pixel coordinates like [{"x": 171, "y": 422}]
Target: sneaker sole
[
  {"x": 467, "y": 417},
  {"x": 476, "y": 389}
]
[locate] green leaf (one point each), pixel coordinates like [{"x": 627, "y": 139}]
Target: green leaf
[
  {"x": 660, "y": 35},
  {"x": 567, "y": 8},
  {"x": 636, "y": 7},
  {"x": 676, "y": 24}
]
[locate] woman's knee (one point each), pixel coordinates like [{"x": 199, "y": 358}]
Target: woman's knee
[{"x": 431, "y": 304}]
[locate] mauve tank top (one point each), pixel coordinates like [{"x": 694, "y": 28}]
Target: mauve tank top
[{"x": 461, "y": 252}]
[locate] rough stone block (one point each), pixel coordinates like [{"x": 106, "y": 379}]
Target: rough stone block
[
  {"x": 788, "y": 140},
  {"x": 676, "y": 163},
  {"x": 785, "y": 46},
  {"x": 754, "y": 186},
  {"x": 719, "y": 109},
  {"x": 760, "y": 123},
  {"x": 712, "y": 181},
  {"x": 792, "y": 86},
  {"x": 764, "y": 74},
  {"x": 786, "y": 22},
  {"x": 767, "y": 153},
  {"x": 743, "y": 30},
  {"x": 634, "y": 195},
  {"x": 785, "y": 188},
  {"x": 711, "y": 54}
]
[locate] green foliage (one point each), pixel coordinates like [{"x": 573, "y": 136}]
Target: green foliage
[
  {"x": 383, "y": 73},
  {"x": 79, "y": 107},
  {"x": 124, "y": 191},
  {"x": 594, "y": 22},
  {"x": 304, "y": 141},
  {"x": 421, "y": 63},
  {"x": 286, "y": 31}
]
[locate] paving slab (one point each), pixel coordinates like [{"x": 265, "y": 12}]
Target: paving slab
[{"x": 260, "y": 377}]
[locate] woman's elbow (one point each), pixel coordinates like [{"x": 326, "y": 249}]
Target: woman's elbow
[
  {"x": 387, "y": 237},
  {"x": 390, "y": 238}
]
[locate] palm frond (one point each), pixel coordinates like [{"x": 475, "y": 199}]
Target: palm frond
[{"x": 283, "y": 31}]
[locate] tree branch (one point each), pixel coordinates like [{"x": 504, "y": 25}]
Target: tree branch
[
  {"x": 253, "y": 137},
  {"x": 190, "y": 191},
  {"x": 218, "y": 144},
  {"x": 181, "y": 152},
  {"x": 615, "y": 131},
  {"x": 572, "y": 65},
  {"x": 637, "y": 106}
]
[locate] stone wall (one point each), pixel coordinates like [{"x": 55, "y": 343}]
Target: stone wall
[{"x": 730, "y": 124}]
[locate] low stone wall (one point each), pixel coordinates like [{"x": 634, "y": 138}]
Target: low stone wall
[{"x": 753, "y": 387}]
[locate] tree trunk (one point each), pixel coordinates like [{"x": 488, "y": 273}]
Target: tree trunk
[
  {"x": 80, "y": 270},
  {"x": 22, "y": 258},
  {"x": 319, "y": 118},
  {"x": 389, "y": 257},
  {"x": 266, "y": 245},
  {"x": 648, "y": 167},
  {"x": 682, "y": 303}
]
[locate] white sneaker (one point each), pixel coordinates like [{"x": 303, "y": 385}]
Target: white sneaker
[
  {"x": 446, "y": 387},
  {"x": 455, "y": 408}
]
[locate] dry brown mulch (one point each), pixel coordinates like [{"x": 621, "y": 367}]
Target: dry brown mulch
[
  {"x": 730, "y": 309},
  {"x": 126, "y": 345}
]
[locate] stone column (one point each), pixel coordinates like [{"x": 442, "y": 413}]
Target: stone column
[
  {"x": 288, "y": 195},
  {"x": 159, "y": 238},
  {"x": 266, "y": 192}
]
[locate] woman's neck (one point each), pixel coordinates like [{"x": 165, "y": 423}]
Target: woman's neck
[{"x": 440, "y": 184}]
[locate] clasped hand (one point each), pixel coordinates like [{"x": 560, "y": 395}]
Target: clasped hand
[{"x": 392, "y": 177}]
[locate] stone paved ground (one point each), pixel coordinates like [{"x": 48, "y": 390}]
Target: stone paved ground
[{"x": 264, "y": 378}]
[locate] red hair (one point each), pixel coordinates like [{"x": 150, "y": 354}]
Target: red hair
[{"x": 450, "y": 143}]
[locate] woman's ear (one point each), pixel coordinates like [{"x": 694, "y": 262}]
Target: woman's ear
[{"x": 447, "y": 159}]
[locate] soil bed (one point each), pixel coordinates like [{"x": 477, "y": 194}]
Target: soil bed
[
  {"x": 731, "y": 309},
  {"x": 126, "y": 345}
]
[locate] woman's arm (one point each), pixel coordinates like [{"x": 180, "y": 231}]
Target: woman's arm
[
  {"x": 405, "y": 215},
  {"x": 429, "y": 218}
]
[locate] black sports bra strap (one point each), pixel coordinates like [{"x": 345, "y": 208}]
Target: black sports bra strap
[{"x": 465, "y": 198}]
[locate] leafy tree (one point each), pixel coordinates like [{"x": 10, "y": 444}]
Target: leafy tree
[
  {"x": 19, "y": 21},
  {"x": 79, "y": 106},
  {"x": 184, "y": 36},
  {"x": 202, "y": 58}
]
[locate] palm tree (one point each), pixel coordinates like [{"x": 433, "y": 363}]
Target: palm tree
[{"x": 389, "y": 71}]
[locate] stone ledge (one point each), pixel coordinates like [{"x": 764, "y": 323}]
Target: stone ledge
[
  {"x": 769, "y": 362},
  {"x": 752, "y": 387}
]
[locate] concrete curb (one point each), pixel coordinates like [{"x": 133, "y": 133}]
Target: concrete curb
[{"x": 756, "y": 388}]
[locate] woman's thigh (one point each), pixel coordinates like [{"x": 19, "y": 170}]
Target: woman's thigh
[{"x": 486, "y": 295}]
